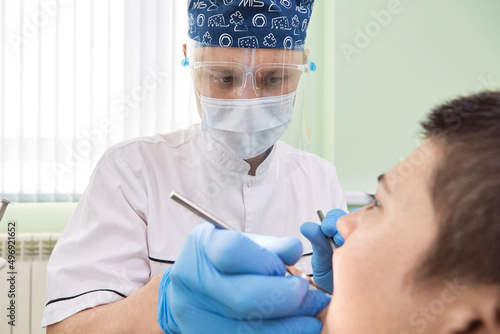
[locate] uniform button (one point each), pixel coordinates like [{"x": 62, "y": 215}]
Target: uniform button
[{"x": 249, "y": 184}]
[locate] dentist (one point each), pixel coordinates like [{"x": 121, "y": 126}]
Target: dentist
[{"x": 113, "y": 269}]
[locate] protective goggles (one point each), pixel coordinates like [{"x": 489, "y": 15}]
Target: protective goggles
[{"x": 229, "y": 80}]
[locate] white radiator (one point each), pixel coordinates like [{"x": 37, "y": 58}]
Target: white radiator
[{"x": 32, "y": 254}]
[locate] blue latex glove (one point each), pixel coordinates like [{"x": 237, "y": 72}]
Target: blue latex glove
[
  {"x": 322, "y": 251},
  {"x": 223, "y": 282}
]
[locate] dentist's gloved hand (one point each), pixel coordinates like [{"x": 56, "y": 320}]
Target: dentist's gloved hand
[
  {"x": 224, "y": 282},
  {"x": 322, "y": 251}
]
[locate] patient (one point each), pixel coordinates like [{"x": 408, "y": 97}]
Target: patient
[{"x": 424, "y": 256}]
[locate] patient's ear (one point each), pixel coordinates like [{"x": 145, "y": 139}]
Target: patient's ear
[{"x": 476, "y": 312}]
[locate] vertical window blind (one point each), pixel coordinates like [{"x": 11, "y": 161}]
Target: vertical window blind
[{"x": 78, "y": 76}]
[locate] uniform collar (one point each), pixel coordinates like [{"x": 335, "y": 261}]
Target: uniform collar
[{"x": 223, "y": 157}]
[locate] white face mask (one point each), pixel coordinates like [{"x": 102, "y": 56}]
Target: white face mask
[{"x": 247, "y": 127}]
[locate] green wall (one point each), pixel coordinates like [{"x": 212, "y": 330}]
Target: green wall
[
  {"x": 38, "y": 217},
  {"x": 426, "y": 52}
]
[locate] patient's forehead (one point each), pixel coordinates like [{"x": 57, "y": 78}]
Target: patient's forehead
[{"x": 416, "y": 172}]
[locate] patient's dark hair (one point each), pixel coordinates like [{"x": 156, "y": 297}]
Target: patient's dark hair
[{"x": 466, "y": 191}]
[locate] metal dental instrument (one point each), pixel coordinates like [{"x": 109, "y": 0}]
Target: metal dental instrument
[
  {"x": 3, "y": 207},
  {"x": 332, "y": 242},
  {"x": 5, "y": 202},
  {"x": 320, "y": 215},
  {"x": 194, "y": 208}
]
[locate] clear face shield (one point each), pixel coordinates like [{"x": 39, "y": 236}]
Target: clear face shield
[
  {"x": 245, "y": 73},
  {"x": 245, "y": 96}
]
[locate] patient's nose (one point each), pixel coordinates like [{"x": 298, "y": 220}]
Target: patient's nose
[{"x": 348, "y": 223}]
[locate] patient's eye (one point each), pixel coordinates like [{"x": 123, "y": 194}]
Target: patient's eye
[
  {"x": 374, "y": 202},
  {"x": 472, "y": 327}
]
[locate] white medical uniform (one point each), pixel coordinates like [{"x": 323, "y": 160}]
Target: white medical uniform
[{"x": 126, "y": 229}]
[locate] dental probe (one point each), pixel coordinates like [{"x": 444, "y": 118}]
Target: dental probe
[
  {"x": 330, "y": 240},
  {"x": 194, "y": 208}
]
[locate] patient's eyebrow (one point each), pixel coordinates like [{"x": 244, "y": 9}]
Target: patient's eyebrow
[{"x": 382, "y": 180}]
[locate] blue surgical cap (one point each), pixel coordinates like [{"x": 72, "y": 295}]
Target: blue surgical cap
[{"x": 268, "y": 24}]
